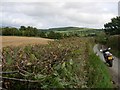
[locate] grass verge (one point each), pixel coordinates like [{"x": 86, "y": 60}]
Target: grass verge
[{"x": 98, "y": 75}]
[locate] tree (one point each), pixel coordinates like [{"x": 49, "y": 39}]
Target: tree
[
  {"x": 9, "y": 31},
  {"x": 22, "y": 28},
  {"x": 42, "y": 34},
  {"x": 113, "y": 27},
  {"x": 53, "y": 35}
]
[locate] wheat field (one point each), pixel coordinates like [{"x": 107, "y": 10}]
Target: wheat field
[{"x": 21, "y": 41}]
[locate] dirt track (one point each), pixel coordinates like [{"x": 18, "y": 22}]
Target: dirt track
[{"x": 114, "y": 71}]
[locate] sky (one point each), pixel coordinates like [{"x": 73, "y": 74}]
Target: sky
[{"x": 56, "y": 13}]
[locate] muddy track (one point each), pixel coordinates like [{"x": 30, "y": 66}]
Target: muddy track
[{"x": 114, "y": 71}]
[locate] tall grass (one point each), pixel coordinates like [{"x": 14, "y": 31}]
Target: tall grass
[{"x": 98, "y": 75}]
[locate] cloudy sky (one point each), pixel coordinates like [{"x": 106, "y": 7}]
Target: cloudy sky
[{"x": 49, "y": 14}]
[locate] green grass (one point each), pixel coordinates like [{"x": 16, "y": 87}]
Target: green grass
[{"x": 98, "y": 75}]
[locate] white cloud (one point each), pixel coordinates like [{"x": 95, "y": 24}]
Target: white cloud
[
  {"x": 19, "y": 20},
  {"x": 59, "y": 0},
  {"x": 54, "y": 14}
]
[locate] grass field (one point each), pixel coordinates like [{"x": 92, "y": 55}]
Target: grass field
[{"x": 18, "y": 41}]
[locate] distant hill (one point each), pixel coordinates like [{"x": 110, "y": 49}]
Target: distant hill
[
  {"x": 65, "y": 28},
  {"x": 68, "y": 29}
]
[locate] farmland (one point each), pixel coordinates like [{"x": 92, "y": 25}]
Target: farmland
[
  {"x": 51, "y": 33},
  {"x": 75, "y": 31},
  {"x": 22, "y": 41},
  {"x": 65, "y": 63},
  {"x": 62, "y": 59},
  {"x": 59, "y": 45}
]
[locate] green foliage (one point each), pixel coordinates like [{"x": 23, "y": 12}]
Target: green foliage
[
  {"x": 53, "y": 35},
  {"x": 114, "y": 43},
  {"x": 9, "y": 31},
  {"x": 54, "y": 65},
  {"x": 22, "y": 31},
  {"x": 42, "y": 34},
  {"x": 101, "y": 38},
  {"x": 113, "y": 27},
  {"x": 65, "y": 63}
]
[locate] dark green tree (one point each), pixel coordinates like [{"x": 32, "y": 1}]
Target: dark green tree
[
  {"x": 22, "y": 28},
  {"x": 42, "y": 34},
  {"x": 9, "y": 31},
  {"x": 53, "y": 35},
  {"x": 113, "y": 27}
]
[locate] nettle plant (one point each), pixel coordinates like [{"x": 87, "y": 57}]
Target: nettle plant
[{"x": 55, "y": 65}]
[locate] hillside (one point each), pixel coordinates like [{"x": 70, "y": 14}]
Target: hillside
[
  {"x": 68, "y": 29},
  {"x": 51, "y": 33}
]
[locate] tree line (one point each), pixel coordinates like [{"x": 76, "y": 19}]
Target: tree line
[
  {"x": 30, "y": 31},
  {"x": 34, "y": 32}
]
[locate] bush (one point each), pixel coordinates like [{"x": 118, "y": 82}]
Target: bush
[{"x": 53, "y": 66}]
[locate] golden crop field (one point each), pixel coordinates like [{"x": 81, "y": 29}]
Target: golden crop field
[{"x": 18, "y": 41}]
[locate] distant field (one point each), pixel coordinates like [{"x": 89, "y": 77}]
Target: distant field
[{"x": 17, "y": 41}]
